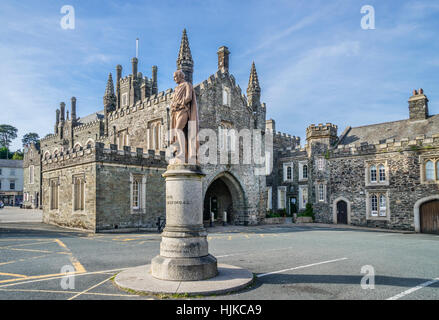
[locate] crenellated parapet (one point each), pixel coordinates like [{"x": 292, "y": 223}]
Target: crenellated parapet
[
  {"x": 420, "y": 143},
  {"x": 97, "y": 153},
  {"x": 153, "y": 100},
  {"x": 327, "y": 130}
]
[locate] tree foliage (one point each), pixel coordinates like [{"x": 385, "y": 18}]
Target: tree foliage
[
  {"x": 30, "y": 137},
  {"x": 7, "y": 134}
]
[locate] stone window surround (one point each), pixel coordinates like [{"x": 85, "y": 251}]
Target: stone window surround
[
  {"x": 31, "y": 174},
  {"x": 279, "y": 189},
  {"x": 317, "y": 192},
  {"x": 423, "y": 161},
  {"x": 301, "y": 165},
  {"x": 320, "y": 164},
  {"x": 154, "y": 134},
  {"x": 51, "y": 183},
  {"x": 376, "y": 163},
  {"x": 226, "y": 94},
  {"x": 141, "y": 179},
  {"x": 302, "y": 206},
  {"x": 124, "y": 99},
  {"x": 285, "y": 166},
  {"x": 75, "y": 177},
  {"x": 269, "y": 198},
  {"x": 377, "y": 192},
  {"x": 226, "y": 130}
]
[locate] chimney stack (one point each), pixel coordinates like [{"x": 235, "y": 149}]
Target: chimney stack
[
  {"x": 134, "y": 62},
  {"x": 223, "y": 59},
  {"x": 63, "y": 108},
  {"x": 73, "y": 107}
]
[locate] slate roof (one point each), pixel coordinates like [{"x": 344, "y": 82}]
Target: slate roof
[
  {"x": 11, "y": 163},
  {"x": 378, "y": 133},
  {"x": 92, "y": 117}
]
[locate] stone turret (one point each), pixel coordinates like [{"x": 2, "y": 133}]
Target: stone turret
[
  {"x": 184, "y": 60},
  {"x": 320, "y": 138},
  {"x": 223, "y": 59},
  {"x": 253, "y": 89},
  {"x": 418, "y": 105}
]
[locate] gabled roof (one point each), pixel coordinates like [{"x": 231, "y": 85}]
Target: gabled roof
[{"x": 378, "y": 133}]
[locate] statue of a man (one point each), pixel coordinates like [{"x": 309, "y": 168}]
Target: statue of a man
[{"x": 184, "y": 121}]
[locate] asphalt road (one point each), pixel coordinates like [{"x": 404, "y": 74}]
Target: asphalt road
[{"x": 289, "y": 261}]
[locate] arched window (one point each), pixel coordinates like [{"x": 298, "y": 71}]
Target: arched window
[
  {"x": 305, "y": 171},
  {"x": 383, "y": 207},
  {"x": 136, "y": 193},
  {"x": 289, "y": 173},
  {"x": 437, "y": 170},
  {"x": 78, "y": 147},
  {"x": 373, "y": 174},
  {"x": 374, "y": 205},
  {"x": 382, "y": 173},
  {"x": 429, "y": 170}
]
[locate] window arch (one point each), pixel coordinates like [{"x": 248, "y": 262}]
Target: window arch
[
  {"x": 289, "y": 173},
  {"x": 77, "y": 147},
  {"x": 90, "y": 143},
  {"x": 373, "y": 173},
  {"x": 382, "y": 173},
  {"x": 374, "y": 205},
  {"x": 429, "y": 170},
  {"x": 305, "y": 171}
]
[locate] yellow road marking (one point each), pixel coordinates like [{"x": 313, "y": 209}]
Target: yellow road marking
[
  {"x": 76, "y": 264},
  {"x": 92, "y": 287},
  {"x": 29, "y": 250},
  {"x": 70, "y": 292},
  {"x": 61, "y": 243},
  {"x": 37, "y": 277},
  {"x": 13, "y": 275},
  {"x": 21, "y": 260},
  {"x": 26, "y": 244}
]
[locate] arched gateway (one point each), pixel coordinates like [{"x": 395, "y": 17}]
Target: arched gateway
[{"x": 225, "y": 194}]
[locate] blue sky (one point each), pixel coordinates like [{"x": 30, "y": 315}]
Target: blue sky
[{"x": 315, "y": 62}]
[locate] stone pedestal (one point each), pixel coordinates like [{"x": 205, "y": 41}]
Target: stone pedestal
[{"x": 184, "y": 254}]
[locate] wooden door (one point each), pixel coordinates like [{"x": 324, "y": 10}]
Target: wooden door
[
  {"x": 342, "y": 212},
  {"x": 429, "y": 216}
]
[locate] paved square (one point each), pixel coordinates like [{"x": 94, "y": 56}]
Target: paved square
[{"x": 289, "y": 261}]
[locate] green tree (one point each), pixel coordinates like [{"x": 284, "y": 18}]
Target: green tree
[
  {"x": 17, "y": 155},
  {"x": 7, "y": 134},
  {"x": 31, "y": 137},
  {"x": 4, "y": 153}
]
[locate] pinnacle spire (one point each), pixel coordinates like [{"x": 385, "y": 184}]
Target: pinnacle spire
[
  {"x": 109, "y": 89},
  {"x": 253, "y": 82},
  {"x": 184, "y": 60},
  {"x": 185, "y": 50}
]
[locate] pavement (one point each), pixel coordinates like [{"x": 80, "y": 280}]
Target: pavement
[
  {"x": 291, "y": 261},
  {"x": 16, "y": 214}
]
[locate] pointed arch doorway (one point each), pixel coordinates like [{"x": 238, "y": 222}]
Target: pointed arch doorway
[{"x": 225, "y": 195}]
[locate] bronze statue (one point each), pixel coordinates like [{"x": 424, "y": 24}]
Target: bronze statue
[{"x": 184, "y": 122}]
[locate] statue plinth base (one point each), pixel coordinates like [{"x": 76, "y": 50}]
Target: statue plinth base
[{"x": 184, "y": 252}]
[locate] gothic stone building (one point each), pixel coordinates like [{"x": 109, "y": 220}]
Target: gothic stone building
[
  {"x": 381, "y": 175},
  {"x": 104, "y": 171}
]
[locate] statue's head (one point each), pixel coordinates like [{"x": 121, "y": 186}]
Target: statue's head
[{"x": 178, "y": 76}]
